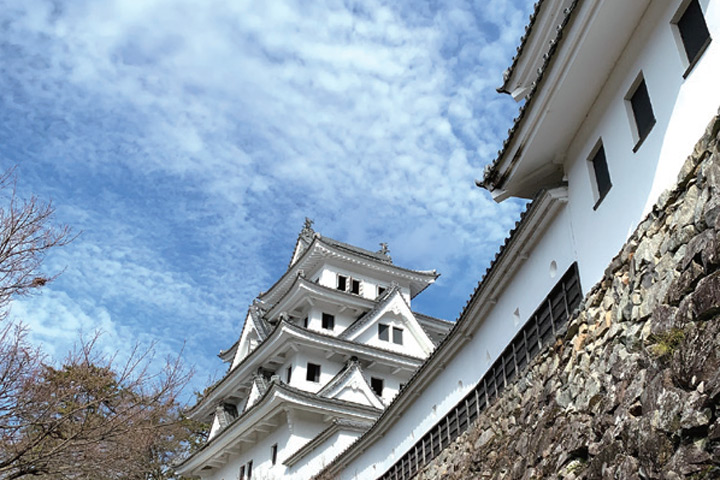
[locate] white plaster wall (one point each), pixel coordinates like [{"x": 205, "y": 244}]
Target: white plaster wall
[
  {"x": 321, "y": 456},
  {"x": 369, "y": 284},
  {"x": 342, "y": 319},
  {"x": 682, "y": 109},
  {"x": 410, "y": 345},
  {"x": 289, "y": 440},
  {"x": 472, "y": 361},
  {"x": 328, "y": 369}
]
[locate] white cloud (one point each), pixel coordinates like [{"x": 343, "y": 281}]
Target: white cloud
[{"x": 188, "y": 140}]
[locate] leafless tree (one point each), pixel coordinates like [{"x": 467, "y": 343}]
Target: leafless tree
[
  {"x": 26, "y": 235},
  {"x": 94, "y": 416}
]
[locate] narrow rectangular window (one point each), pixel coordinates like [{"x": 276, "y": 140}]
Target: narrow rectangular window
[
  {"x": 383, "y": 332},
  {"x": 313, "y": 372},
  {"x": 249, "y": 469},
  {"x": 355, "y": 287},
  {"x": 305, "y": 322},
  {"x": 328, "y": 321},
  {"x": 693, "y": 31},
  {"x": 377, "y": 385},
  {"x": 273, "y": 454},
  {"x": 288, "y": 374},
  {"x": 342, "y": 282},
  {"x": 242, "y": 472},
  {"x": 642, "y": 111},
  {"x": 398, "y": 335},
  {"x": 602, "y": 175},
  {"x": 380, "y": 290}
]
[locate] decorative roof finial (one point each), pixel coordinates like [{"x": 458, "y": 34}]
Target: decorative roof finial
[
  {"x": 384, "y": 250},
  {"x": 307, "y": 228}
]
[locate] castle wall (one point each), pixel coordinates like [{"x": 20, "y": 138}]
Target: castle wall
[
  {"x": 471, "y": 361},
  {"x": 632, "y": 389},
  {"x": 681, "y": 107}
]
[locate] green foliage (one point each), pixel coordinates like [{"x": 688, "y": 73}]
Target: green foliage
[{"x": 664, "y": 345}]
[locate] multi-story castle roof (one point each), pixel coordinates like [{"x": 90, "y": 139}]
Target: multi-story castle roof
[{"x": 321, "y": 354}]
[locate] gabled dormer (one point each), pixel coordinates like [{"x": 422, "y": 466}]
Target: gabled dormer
[
  {"x": 391, "y": 325},
  {"x": 351, "y": 385},
  {"x": 255, "y": 331}
]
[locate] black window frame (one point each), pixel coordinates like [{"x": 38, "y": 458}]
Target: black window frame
[
  {"x": 342, "y": 282},
  {"x": 328, "y": 321},
  {"x": 642, "y": 111},
  {"x": 397, "y": 336},
  {"x": 384, "y": 332},
  {"x": 693, "y": 32},
  {"x": 312, "y": 373},
  {"x": 355, "y": 286},
  {"x": 601, "y": 173},
  {"x": 377, "y": 385}
]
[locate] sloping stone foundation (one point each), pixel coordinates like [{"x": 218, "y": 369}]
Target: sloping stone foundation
[{"x": 631, "y": 390}]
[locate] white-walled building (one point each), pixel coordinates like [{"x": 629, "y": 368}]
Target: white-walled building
[
  {"x": 320, "y": 356},
  {"x": 616, "y": 93}
]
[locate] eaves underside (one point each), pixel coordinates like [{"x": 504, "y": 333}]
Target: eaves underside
[
  {"x": 302, "y": 399},
  {"x": 492, "y": 178},
  {"x": 327, "y": 341}
]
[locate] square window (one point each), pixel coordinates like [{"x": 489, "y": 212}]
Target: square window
[
  {"x": 313, "y": 372},
  {"x": 342, "y": 282},
  {"x": 642, "y": 111},
  {"x": 398, "y": 335},
  {"x": 693, "y": 31},
  {"x": 383, "y": 332},
  {"x": 601, "y": 173},
  {"x": 377, "y": 385},
  {"x": 273, "y": 454},
  {"x": 355, "y": 287},
  {"x": 328, "y": 321}
]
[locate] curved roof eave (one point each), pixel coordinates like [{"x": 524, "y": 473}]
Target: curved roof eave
[
  {"x": 429, "y": 276},
  {"x": 276, "y": 389},
  {"x": 206, "y": 404},
  {"x": 492, "y": 179}
]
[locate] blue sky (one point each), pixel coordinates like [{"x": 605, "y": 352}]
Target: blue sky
[{"x": 188, "y": 140}]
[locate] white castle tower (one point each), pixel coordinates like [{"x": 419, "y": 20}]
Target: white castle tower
[{"x": 320, "y": 356}]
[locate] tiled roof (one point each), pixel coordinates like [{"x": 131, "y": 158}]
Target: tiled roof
[
  {"x": 340, "y": 341},
  {"x": 433, "y": 333},
  {"x": 490, "y": 176},
  {"x": 336, "y": 425},
  {"x": 518, "y": 52},
  {"x": 382, "y": 300},
  {"x": 275, "y": 385}
]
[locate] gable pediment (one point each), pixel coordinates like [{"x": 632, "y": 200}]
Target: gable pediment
[
  {"x": 394, "y": 312},
  {"x": 351, "y": 385}
]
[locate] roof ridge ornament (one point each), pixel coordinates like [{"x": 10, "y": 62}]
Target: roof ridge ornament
[
  {"x": 307, "y": 230},
  {"x": 384, "y": 250}
]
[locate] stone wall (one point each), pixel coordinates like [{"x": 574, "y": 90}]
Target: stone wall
[{"x": 631, "y": 390}]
